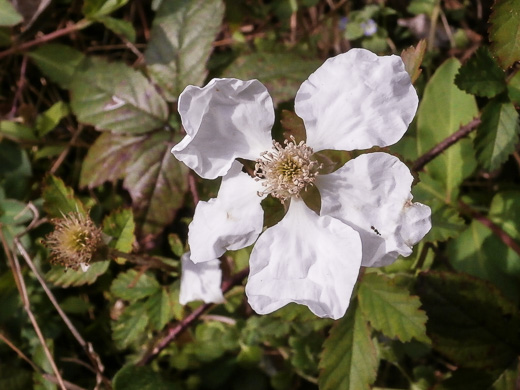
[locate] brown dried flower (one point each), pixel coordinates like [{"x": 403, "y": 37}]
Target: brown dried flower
[{"x": 75, "y": 241}]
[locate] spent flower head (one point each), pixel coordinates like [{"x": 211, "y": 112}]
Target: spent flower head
[{"x": 75, "y": 241}]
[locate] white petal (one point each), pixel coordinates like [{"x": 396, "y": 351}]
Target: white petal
[
  {"x": 231, "y": 221},
  {"x": 226, "y": 119},
  {"x": 372, "y": 194},
  {"x": 356, "y": 100},
  {"x": 84, "y": 266},
  {"x": 307, "y": 259},
  {"x": 200, "y": 282}
]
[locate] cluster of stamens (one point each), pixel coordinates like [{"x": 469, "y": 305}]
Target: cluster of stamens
[
  {"x": 286, "y": 170},
  {"x": 74, "y": 241}
]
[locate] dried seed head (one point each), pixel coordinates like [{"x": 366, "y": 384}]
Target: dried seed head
[
  {"x": 75, "y": 241},
  {"x": 286, "y": 171}
]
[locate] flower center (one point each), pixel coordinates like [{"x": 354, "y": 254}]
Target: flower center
[{"x": 286, "y": 171}]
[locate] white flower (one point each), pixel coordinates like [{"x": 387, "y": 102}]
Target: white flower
[{"x": 353, "y": 101}]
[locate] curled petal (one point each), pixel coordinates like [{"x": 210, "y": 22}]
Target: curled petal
[
  {"x": 226, "y": 119},
  {"x": 231, "y": 221},
  {"x": 307, "y": 259},
  {"x": 372, "y": 195},
  {"x": 356, "y": 100},
  {"x": 200, "y": 282}
]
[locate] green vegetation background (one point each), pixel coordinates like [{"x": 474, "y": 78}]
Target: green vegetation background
[{"x": 88, "y": 93}]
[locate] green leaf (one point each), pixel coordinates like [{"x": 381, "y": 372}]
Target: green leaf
[
  {"x": 508, "y": 378},
  {"x": 59, "y": 276},
  {"x": 132, "y": 285},
  {"x": 481, "y": 75},
  {"x": 58, "y": 62},
  {"x": 305, "y": 352},
  {"x": 421, "y": 7},
  {"x": 458, "y": 108},
  {"x": 176, "y": 245},
  {"x": 513, "y": 88},
  {"x": 477, "y": 251},
  {"x": 213, "y": 339},
  {"x": 49, "y": 119},
  {"x": 391, "y": 309},
  {"x": 113, "y": 96},
  {"x": 412, "y": 58},
  {"x": 160, "y": 309},
  {"x": 446, "y": 222},
  {"x": 14, "y": 215},
  {"x": 93, "y": 9},
  {"x": 58, "y": 199},
  {"x": 120, "y": 226},
  {"x": 140, "y": 378},
  {"x": 130, "y": 325},
  {"x": 120, "y": 27},
  {"x": 504, "y": 32},
  {"x": 180, "y": 43},
  {"x": 17, "y": 131},
  {"x": 470, "y": 322},
  {"x": 156, "y": 181},
  {"x": 349, "y": 360},
  {"x": 282, "y": 73},
  {"x": 8, "y": 14},
  {"x": 497, "y": 134}
]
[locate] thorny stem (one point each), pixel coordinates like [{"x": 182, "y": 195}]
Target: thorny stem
[
  {"x": 172, "y": 332},
  {"x": 445, "y": 144},
  {"x": 46, "y": 38},
  {"x": 497, "y": 230}
]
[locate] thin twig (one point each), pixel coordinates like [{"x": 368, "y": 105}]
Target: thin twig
[
  {"x": 497, "y": 230},
  {"x": 445, "y": 144},
  {"x": 98, "y": 367},
  {"x": 20, "y": 353},
  {"x": 19, "y": 90},
  {"x": 66, "y": 151},
  {"x": 46, "y": 38},
  {"x": 174, "y": 331},
  {"x": 17, "y": 274},
  {"x": 143, "y": 260}
]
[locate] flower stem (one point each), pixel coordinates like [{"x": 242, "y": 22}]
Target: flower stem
[{"x": 445, "y": 144}]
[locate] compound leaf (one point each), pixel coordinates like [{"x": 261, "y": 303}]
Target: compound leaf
[
  {"x": 180, "y": 43},
  {"x": 391, "y": 309},
  {"x": 504, "y": 32},
  {"x": 349, "y": 360}
]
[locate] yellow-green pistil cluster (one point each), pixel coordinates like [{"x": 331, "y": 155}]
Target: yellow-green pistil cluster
[
  {"x": 74, "y": 241},
  {"x": 286, "y": 171}
]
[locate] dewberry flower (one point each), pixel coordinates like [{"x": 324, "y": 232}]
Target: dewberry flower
[
  {"x": 355, "y": 100},
  {"x": 75, "y": 241}
]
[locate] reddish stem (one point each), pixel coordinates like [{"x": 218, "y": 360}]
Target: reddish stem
[
  {"x": 182, "y": 325},
  {"x": 497, "y": 230},
  {"x": 445, "y": 144},
  {"x": 45, "y": 38}
]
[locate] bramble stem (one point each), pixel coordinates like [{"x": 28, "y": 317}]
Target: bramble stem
[
  {"x": 182, "y": 325},
  {"x": 497, "y": 230},
  {"x": 46, "y": 38},
  {"x": 445, "y": 144}
]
